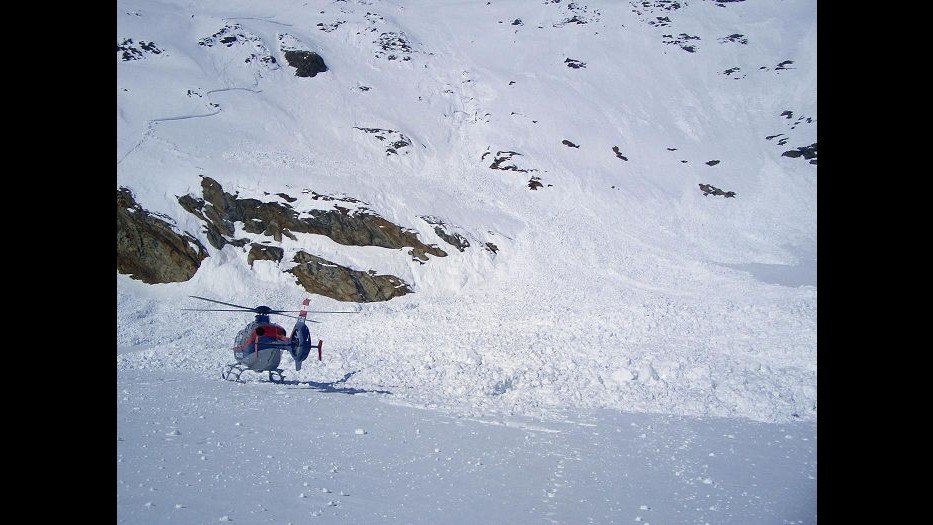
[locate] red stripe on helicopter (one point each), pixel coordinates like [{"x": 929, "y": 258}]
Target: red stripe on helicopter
[{"x": 277, "y": 333}]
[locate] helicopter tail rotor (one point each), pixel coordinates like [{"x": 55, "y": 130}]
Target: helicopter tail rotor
[{"x": 301, "y": 338}]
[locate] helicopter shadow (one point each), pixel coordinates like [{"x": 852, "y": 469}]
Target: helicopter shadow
[{"x": 333, "y": 388}]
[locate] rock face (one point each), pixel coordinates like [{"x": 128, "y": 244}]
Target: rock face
[
  {"x": 712, "y": 190},
  {"x": 220, "y": 210},
  {"x": 261, "y": 252},
  {"x": 807, "y": 152},
  {"x": 357, "y": 228},
  {"x": 306, "y": 63},
  {"x": 323, "y": 277},
  {"x": 452, "y": 238},
  {"x": 149, "y": 249}
]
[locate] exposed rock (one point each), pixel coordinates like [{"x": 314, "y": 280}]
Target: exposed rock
[
  {"x": 396, "y": 139},
  {"x": 575, "y": 64},
  {"x": 712, "y": 162},
  {"x": 732, "y": 70},
  {"x": 534, "y": 183},
  {"x": 454, "y": 239},
  {"x": 363, "y": 229},
  {"x": 261, "y": 252},
  {"x": 807, "y": 152},
  {"x": 734, "y": 37},
  {"x": 130, "y": 51},
  {"x": 306, "y": 63},
  {"x": 327, "y": 28},
  {"x": 393, "y": 46},
  {"x": 357, "y": 228},
  {"x": 506, "y": 156},
  {"x": 492, "y": 247},
  {"x": 194, "y": 206},
  {"x": 251, "y": 45},
  {"x": 149, "y": 249},
  {"x": 579, "y": 15},
  {"x": 323, "y": 277},
  {"x": 680, "y": 40},
  {"x": 618, "y": 152},
  {"x": 712, "y": 190}
]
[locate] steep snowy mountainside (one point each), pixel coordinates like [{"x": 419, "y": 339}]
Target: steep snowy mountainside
[{"x": 627, "y": 160}]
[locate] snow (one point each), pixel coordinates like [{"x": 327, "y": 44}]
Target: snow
[
  {"x": 635, "y": 351},
  {"x": 264, "y": 453}
]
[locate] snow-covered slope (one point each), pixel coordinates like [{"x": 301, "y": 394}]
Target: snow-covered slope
[{"x": 617, "y": 283}]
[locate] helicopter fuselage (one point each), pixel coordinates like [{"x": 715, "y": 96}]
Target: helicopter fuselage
[{"x": 259, "y": 345}]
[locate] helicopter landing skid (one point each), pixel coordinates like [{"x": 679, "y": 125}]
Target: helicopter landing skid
[{"x": 234, "y": 371}]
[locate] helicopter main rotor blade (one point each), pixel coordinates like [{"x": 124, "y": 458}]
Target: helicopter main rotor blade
[
  {"x": 221, "y": 302},
  {"x": 210, "y": 310},
  {"x": 294, "y": 317}
]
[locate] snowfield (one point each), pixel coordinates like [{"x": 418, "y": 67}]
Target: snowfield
[{"x": 633, "y": 351}]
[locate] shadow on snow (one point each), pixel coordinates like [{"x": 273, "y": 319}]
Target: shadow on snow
[{"x": 332, "y": 388}]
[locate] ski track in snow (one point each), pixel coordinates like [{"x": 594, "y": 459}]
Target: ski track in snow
[{"x": 150, "y": 124}]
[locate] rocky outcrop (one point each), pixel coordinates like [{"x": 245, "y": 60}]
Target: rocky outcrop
[
  {"x": 503, "y": 160},
  {"x": 574, "y": 63},
  {"x": 306, "y": 63},
  {"x": 807, "y": 152},
  {"x": 262, "y": 252},
  {"x": 149, "y": 249},
  {"x": 359, "y": 228},
  {"x": 220, "y": 210},
  {"x": 452, "y": 238},
  {"x": 394, "y": 140},
  {"x": 249, "y": 45},
  {"x": 712, "y": 190},
  {"x": 323, "y": 277},
  {"x": 393, "y": 46},
  {"x": 128, "y": 50}
]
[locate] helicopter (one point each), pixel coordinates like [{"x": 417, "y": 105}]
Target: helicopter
[{"x": 258, "y": 346}]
